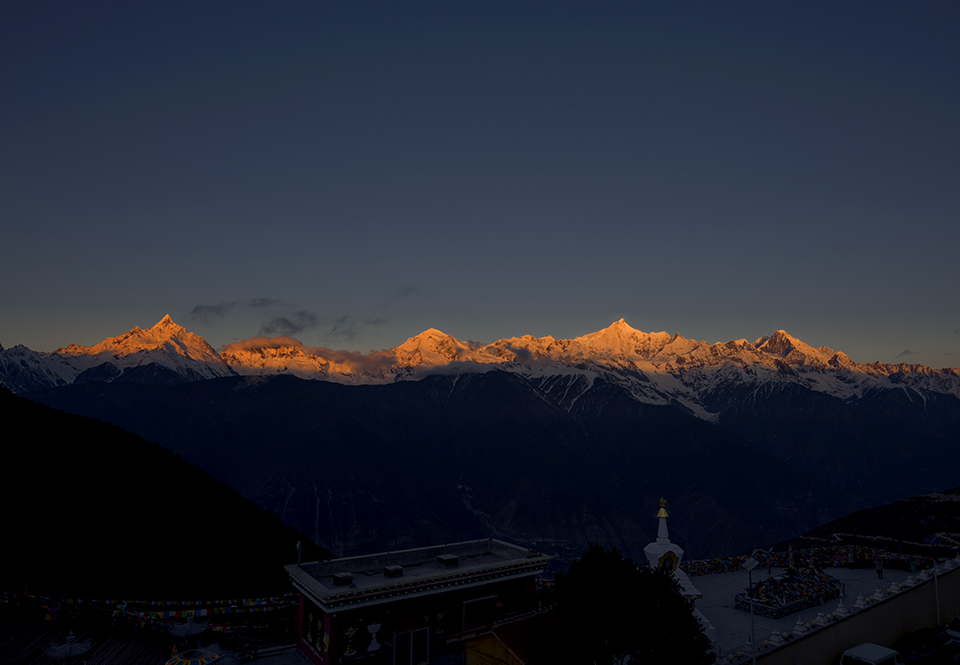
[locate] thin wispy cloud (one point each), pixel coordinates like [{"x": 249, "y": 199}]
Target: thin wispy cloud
[
  {"x": 204, "y": 313},
  {"x": 343, "y": 328},
  {"x": 400, "y": 294},
  {"x": 280, "y": 321},
  {"x": 347, "y": 327},
  {"x": 906, "y": 352},
  {"x": 295, "y": 323}
]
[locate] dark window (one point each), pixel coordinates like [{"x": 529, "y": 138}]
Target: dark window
[
  {"x": 412, "y": 648},
  {"x": 480, "y": 612}
]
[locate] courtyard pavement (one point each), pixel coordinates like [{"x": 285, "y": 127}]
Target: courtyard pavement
[{"x": 733, "y": 625}]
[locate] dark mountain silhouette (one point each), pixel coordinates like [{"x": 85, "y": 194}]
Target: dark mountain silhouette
[
  {"x": 887, "y": 445},
  {"x": 363, "y": 468},
  {"x": 93, "y": 510},
  {"x": 908, "y": 525}
]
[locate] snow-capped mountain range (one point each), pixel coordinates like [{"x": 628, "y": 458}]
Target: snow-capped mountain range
[
  {"x": 656, "y": 368},
  {"x": 165, "y": 353}
]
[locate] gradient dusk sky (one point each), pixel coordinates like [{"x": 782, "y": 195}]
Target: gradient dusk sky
[{"x": 353, "y": 173}]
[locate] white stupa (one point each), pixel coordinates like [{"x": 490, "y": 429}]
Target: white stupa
[{"x": 663, "y": 554}]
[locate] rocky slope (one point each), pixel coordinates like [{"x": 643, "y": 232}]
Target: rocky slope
[{"x": 368, "y": 468}]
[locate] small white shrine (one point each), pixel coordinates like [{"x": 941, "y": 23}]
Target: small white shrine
[{"x": 663, "y": 554}]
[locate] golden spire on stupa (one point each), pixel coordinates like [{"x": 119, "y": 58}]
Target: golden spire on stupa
[{"x": 663, "y": 508}]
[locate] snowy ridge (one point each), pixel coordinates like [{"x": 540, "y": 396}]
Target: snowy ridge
[
  {"x": 655, "y": 368},
  {"x": 23, "y": 370},
  {"x": 166, "y": 345}
]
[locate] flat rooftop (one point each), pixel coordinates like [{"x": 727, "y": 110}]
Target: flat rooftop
[{"x": 384, "y": 577}]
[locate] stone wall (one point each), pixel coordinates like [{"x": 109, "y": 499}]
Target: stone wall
[{"x": 883, "y": 622}]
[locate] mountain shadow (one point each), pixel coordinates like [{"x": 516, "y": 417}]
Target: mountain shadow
[
  {"x": 92, "y": 510},
  {"x": 366, "y": 468}
]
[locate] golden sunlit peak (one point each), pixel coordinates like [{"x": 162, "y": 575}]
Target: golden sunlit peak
[
  {"x": 432, "y": 332},
  {"x": 622, "y": 324},
  {"x": 166, "y": 322}
]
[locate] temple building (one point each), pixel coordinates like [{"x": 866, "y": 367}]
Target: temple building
[{"x": 408, "y": 606}]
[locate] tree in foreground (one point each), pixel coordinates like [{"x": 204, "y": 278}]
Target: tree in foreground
[{"x": 611, "y": 608}]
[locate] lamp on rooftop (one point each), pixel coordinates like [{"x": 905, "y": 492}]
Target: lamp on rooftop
[
  {"x": 935, "y": 540},
  {"x": 750, "y": 564}
]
